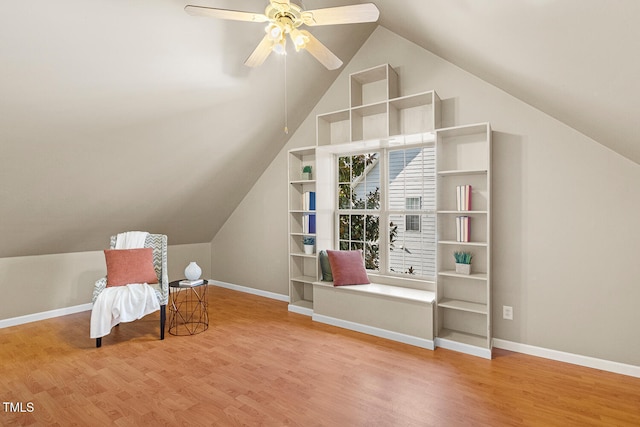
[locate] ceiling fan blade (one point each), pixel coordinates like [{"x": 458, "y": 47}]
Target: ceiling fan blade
[
  {"x": 261, "y": 52},
  {"x": 234, "y": 15},
  {"x": 321, "y": 52},
  {"x": 367, "y": 12},
  {"x": 281, "y": 3}
]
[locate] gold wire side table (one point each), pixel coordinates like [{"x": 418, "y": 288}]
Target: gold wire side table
[{"x": 188, "y": 308}]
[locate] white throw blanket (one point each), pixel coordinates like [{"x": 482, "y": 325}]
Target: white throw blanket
[
  {"x": 131, "y": 240},
  {"x": 120, "y": 304},
  {"x": 123, "y": 303}
]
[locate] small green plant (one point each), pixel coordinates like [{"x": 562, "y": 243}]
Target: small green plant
[
  {"x": 306, "y": 169},
  {"x": 308, "y": 240},
  {"x": 462, "y": 257}
]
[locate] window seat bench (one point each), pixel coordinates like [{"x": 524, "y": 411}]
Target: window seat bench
[{"x": 388, "y": 311}]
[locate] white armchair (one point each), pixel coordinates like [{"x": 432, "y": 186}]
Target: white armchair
[{"x": 158, "y": 243}]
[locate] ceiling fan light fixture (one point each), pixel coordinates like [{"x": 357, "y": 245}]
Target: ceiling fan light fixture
[
  {"x": 274, "y": 31},
  {"x": 299, "y": 39},
  {"x": 280, "y": 48}
]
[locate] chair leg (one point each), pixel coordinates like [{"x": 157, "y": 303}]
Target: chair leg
[
  {"x": 163, "y": 320},
  {"x": 98, "y": 342}
]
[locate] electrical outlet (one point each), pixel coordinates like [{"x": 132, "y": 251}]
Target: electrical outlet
[{"x": 507, "y": 312}]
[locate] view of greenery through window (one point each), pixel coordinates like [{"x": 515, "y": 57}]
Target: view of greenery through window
[
  {"x": 410, "y": 195},
  {"x": 360, "y": 193}
]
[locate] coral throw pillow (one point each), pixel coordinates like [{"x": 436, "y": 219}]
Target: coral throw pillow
[
  {"x": 347, "y": 268},
  {"x": 125, "y": 266}
]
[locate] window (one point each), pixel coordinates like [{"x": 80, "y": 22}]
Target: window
[{"x": 386, "y": 207}]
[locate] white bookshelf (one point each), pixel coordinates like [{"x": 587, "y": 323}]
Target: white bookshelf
[
  {"x": 463, "y": 319},
  {"x": 376, "y": 110},
  {"x": 303, "y": 268}
]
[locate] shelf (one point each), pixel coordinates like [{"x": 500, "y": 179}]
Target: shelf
[
  {"x": 302, "y": 181},
  {"x": 370, "y": 110},
  {"x": 303, "y": 255},
  {"x": 471, "y": 307},
  {"x": 304, "y": 279},
  {"x": 302, "y": 211},
  {"x": 459, "y": 172},
  {"x": 453, "y": 242},
  {"x": 473, "y": 276},
  {"x": 464, "y": 338},
  {"x": 463, "y": 212},
  {"x": 303, "y": 234}
]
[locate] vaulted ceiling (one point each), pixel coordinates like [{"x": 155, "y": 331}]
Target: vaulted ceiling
[{"x": 134, "y": 115}]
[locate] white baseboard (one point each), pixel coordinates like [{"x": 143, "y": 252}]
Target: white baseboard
[
  {"x": 463, "y": 348},
  {"x": 28, "y": 318},
  {"x": 370, "y": 330},
  {"x": 300, "y": 310},
  {"x": 576, "y": 359},
  {"x": 248, "y": 290}
]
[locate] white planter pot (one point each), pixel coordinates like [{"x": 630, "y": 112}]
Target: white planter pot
[
  {"x": 306, "y": 175},
  {"x": 463, "y": 268},
  {"x": 308, "y": 249}
]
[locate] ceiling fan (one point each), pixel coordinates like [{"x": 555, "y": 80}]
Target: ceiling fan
[{"x": 285, "y": 17}]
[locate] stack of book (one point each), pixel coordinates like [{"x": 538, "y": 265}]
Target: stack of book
[
  {"x": 463, "y": 228},
  {"x": 309, "y": 201},
  {"x": 309, "y": 223},
  {"x": 463, "y": 197}
]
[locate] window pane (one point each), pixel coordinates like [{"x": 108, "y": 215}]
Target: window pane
[
  {"x": 344, "y": 169},
  {"x": 357, "y": 227},
  {"x": 412, "y": 252},
  {"x": 344, "y": 227},
  {"x": 359, "y": 181},
  {"x": 371, "y": 257},
  {"x": 344, "y": 196},
  {"x": 344, "y": 246}
]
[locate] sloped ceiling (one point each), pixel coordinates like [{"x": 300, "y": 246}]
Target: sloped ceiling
[{"x": 134, "y": 115}]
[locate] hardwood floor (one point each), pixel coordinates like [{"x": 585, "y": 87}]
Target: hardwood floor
[{"x": 258, "y": 364}]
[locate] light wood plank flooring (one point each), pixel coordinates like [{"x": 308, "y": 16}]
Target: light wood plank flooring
[{"x": 261, "y": 365}]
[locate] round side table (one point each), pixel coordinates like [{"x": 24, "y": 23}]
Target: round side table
[{"x": 188, "y": 308}]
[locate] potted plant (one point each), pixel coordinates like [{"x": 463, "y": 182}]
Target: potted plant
[
  {"x": 306, "y": 172},
  {"x": 463, "y": 262},
  {"x": 309, "y": 243}
]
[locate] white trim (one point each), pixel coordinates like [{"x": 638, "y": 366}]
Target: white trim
[
  {"x": 28, "y": 318},
  {"x": 463, "y": 348},
  {"x": 300, "y": 310},
  {"x": 576, "y": 359},
  {"x": 248, "y": 290},
  {"x": 370, "y": 330}
]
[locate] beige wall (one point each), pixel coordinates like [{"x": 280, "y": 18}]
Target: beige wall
[
  {"x": 35, "y": 284},
  {"x": 564, "y": 214}
]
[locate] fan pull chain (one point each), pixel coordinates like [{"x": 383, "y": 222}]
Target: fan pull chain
[{"x": 286, "y": 127}]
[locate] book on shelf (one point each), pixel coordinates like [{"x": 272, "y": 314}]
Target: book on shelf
[
  {"x": 191, "y": 282},
  {"x": 309, "y": 201},
  {"x": 309, "y": 223},
  {"x": 463, "y": 228},
  {"x": 463, "y": 197}
]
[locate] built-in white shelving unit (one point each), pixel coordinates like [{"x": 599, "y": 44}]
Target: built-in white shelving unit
[
  {"x": 378, "y": 115},
  {"x": 377, "y": 112},
  {"x": 463, "y": 157},
  {"x": 303, "y": 268}
]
